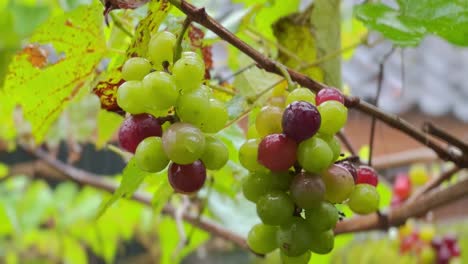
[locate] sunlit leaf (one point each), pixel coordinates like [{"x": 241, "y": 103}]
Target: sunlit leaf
[{"x": 107, "y": 124}]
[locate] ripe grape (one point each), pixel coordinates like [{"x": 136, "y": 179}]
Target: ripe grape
[
  {"x": 295, "y": 237},
  {"x": 350, "y": 167},
  {"x": 339, "y": 184},
  {"x": 215, "y": 155},
  {"x": 161, "y": 48},
  {"x": 364, "y": 199},
  {"x": 188, "y": 73},
  {"x": 301, "y": 120},
  {"x": 277, "y": 152},
  {"x": 134, "y": 69},
  {"x": 262, "y": 238},
  {"x": 150, "y": 156},
  {"x": 314, "y": 155},
  {"x": 162, "y": 90},
  {"x": 366, "y": 174},
  {"x": 135, "y": 128},
  {"x": 323, "y": 217},
  {"x": 301, "y": 94},
  {"x": 248, "y": 154},
  {"x": 302, "y": 259},
  {"x": 323, "y": 242},
  {"x": 307, "y": 190},
  {"x": 328, "y": 94},
  {"x": 268, "y": 120},
  {"x": 193, "y": 107},
  {"x": 334, "y": 115},
  {"x": 216, "y": 117},
  {"x": 187, "y": 178},
  {"x": 129, "y": 97},
  {"x": 402, "y": 186},
  {"x": 275, "y": 208},
  {"x": 183, "y": 143},
  {"x": 443, "y": 255}
]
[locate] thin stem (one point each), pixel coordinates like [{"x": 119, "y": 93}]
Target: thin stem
[
  {"x": 220, "y": 88},
  {"x": 180, "y": 37},
  {"x": 345, "y": 140},
  {"x": 234, "y": 74},
  {"x": 285, "y": 73},
  {"x": 118, "y": 23}
]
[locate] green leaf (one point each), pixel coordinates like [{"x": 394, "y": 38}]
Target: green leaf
[
  {"x": 107, "y": 123},
  {"x": 44, "y": 87},
  {"x": 132, "y": 177},
  {"x": 162, "y": 192},
  {"x": 73, "y": 251},
  {"x": 28, "y": 17},
  {"x": 35, "y": 206}
]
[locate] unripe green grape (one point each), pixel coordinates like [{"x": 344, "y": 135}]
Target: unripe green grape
[
  {"x": 302, "y": 259},
  {"x": 257, "y": 184},
  {"x": 262, "y": 238},
  {"x": 215, "y": 155},
  {"x": 295, "y": 237},
  {"x": 188, "y": 73},
  {"x": 335, "y": 146},
  {"x": 248, "y": 156},
  {"x": 183, "y": 143},
  {"x": 252, "y": 132},
  {"x": 150, "y": 156},
  {"x": 334, "y": 115},
  {"x": 135, "y": 69},
  {"x": 322, "y": 242},
  {"x": 161, "y": 48},
  {"x": 339, "y": 184},
  {"x": 216, "y": 117},
  {"x": 162, "y": 88},
  {"x": 364, "y": 199},
  {"x": 275, "y": 208},
  {"x": 193, "y": 107},
  {"x": 323, "y": 217},
  {"x": 301, "y": 94},
  {"x": 314, "y": 154},
  {"x": 129, "y": 97},
  {"x": 268, "y": 120},
  {"x": 193, "y": 55}
]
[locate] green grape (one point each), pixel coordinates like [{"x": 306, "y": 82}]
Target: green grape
[
  {"x": 301, "y": 94},
  {"x": 364, "y": 199},
  {"x": 193, "y": 107},
  {"x": 252, "y": 132},
  {"x": 275, "y": 208},
  {"x": 215, "y": 155},
  {"x": 161, "y": 48},
  {"x": 192, "y": 55},
  {"x": 314, "y": 154},
  {"x": 323, "y": 217},
  {"x": 323, "y": 242},
  {"x": 258, "y": 184},
  {"x": 216, "y": 117},
  {"x": 149, "y": 155},
  {"x": 335, "y": 146},
  {"x": 334, "y": 115},
  {"x": 129, "y": 97},
  {"x": 268, "y": 120},
  {"x": 302, "y": 259},
  {"x": 339, "y": 183},
  {"x": 162, "y": 88},
  {"x": 307, "y": 190},
  {"x": 262, "y": 238},
  {"x": 277, "y": 101},
  {"x": 135, "y": 69},
  {"x": 281, "y": 180},
  {"x": 295, "y": 237},
  {"x": 183, "y": 143},
  {"x": 188, "y": 73},
  {"x": 248, "y": 155}
]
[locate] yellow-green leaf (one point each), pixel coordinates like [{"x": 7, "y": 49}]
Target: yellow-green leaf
[{"x": 107, "y": 123}]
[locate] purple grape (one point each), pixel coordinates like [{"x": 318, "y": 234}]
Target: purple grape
[
  {"x": 136, "y": 128},
  {"x": 188, "y": 178},
  {"x": 350, "y": 167},
  {"x": 301, "y": 120},
  {"x": 443, "y": 255},
  {"x": 277, "y": 152}
]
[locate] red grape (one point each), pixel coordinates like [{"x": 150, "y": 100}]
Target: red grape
[
  {"x": 187, "y": 178},
  {"x": 301, "y": 120},
  {"x": 402, "y": 186},
  {"x": 277, "y": 152},
  {"x": 450, "y": 240},
  {"x": 366, "y": 174},
  {"x": 136, "y": 128},
  {"x": 443, "y": 255},
  {"x": 350, "y": 167},
  {"x": 437, "y": 243},
  {"x": 328, "y": 94}
]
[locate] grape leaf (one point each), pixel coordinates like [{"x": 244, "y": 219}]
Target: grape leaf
[
  {"x": 73, "y": 45},
  {"x": 415, "y": 19},
  {"x": 107, "y": 123}
]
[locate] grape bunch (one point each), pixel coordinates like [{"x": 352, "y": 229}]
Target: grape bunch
[
  {"x": 426, "y": 246},
  {"x": 294, "y": 180},
  {"x": 155, "y": 86}
]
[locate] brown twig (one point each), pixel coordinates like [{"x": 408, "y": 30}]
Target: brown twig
[
  {"x": 345, "y": 140},
  {"x": 437, "y": 132},
  {"x": 200, "y": 16}
]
